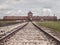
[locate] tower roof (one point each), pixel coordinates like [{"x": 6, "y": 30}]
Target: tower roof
[{"x": 30, "y": 12}]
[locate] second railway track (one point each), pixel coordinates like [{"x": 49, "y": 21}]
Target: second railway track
[{"x": 29, "y": 35}]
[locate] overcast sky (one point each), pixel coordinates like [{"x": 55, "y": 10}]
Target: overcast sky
[{"x": 22, "y": 7}]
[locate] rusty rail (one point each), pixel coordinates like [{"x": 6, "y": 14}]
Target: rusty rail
[
  {"x": 54, "y": 37},
  {"x": 12, "y": 32}
]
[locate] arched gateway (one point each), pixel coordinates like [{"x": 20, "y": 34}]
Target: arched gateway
[{"x": 30, "y": 14}]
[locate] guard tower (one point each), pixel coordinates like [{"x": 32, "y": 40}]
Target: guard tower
[{"x": 30, "y": 14}]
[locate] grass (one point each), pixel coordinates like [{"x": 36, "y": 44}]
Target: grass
[
  {"x": 51, "y": 24},
  {"x": 5, "y": 23}
]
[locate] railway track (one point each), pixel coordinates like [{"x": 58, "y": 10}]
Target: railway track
[{"x": 29, "y": 34}]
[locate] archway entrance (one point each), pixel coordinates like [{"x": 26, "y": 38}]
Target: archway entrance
[{"x": 29, "y": 19}]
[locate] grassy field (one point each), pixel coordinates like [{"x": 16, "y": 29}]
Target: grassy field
[
  {"x": 5, "y": 23},
  {"x": 51, "y": 24}
]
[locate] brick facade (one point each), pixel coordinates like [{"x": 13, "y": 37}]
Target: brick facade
[{"x": 31, "y": 17}]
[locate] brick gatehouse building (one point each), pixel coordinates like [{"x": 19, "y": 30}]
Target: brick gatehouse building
[{"x": 30, "y": 17}]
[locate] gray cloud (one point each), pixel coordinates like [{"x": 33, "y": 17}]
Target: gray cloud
[{"x": 12, "y": 7}]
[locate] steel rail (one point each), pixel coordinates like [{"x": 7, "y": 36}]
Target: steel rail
[
  {"x": 48, "y": 34},
  {"x": 12, "y": 32},
  {"x": 21, "y": 27}
]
